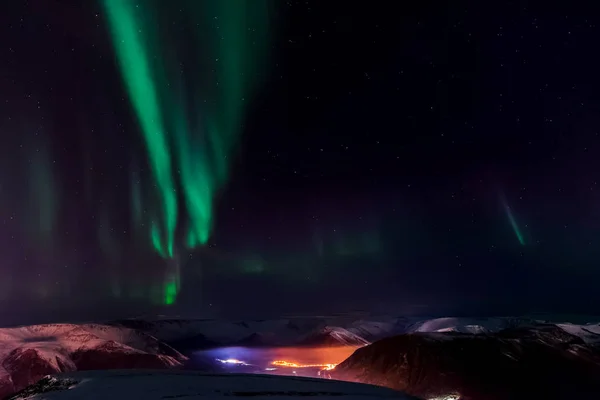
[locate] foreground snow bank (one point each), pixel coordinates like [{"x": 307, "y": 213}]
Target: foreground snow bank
[{"x": 149, "y": 385}]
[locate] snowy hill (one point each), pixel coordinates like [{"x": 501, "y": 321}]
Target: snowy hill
[
  {"x": 521, "y": 362},
  {"x": 31, "y": 352},
  {"x": 333, "y": 335},
  {"x": 149, "y": 385},
  {"x": 590, "y": 333}
]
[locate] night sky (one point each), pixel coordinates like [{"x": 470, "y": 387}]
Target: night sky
[{"x": 229, "y": 157}]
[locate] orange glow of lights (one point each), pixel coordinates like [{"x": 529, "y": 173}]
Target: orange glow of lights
[{"x": 288, "y": 364}]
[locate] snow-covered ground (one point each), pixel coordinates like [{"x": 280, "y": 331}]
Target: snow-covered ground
[{"x": 149, "y": 385}]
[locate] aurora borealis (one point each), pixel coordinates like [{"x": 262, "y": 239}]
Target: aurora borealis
[
  {"x": 190, "y": 116},
  {"x": 208, "y": 157}
]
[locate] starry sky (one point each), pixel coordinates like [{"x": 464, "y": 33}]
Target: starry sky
[{"x": 251, "y": 156}]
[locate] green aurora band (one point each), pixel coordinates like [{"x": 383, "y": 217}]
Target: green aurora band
[
  {"x": 190, "y": 104},
  {"x": 43, "y": 195},
  {"x": 513, "y": 223}
]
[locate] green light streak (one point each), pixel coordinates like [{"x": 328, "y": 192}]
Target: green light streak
[
  {"x": 232, "y": 33},
  {"x": 126, "y": 29},
  {"x": 43, "y": 196},
  {"x": 170, "y": 293},
  {"x": 172, "y": 282},
  {"x": 513, "y": 223},
  {"x": 198, "y": 185}
]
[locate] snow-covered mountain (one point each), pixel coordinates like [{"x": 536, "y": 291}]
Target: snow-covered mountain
[
  {"x": 196, "y": 334},
  {"x": 520, "y": 362},
  {"x": 208, "y": 333},
  {"x": 190, "y": 334},
  {"x": 28, "y": 353},
  {"x": 149, "y": 385},
  {"x": 334, "y": 335}
]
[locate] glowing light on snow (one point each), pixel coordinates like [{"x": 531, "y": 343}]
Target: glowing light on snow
[
  {"x": 289, "y": 364},
  {"x": 232, "y": 361},
  {"x": 446, "y": 397}
]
